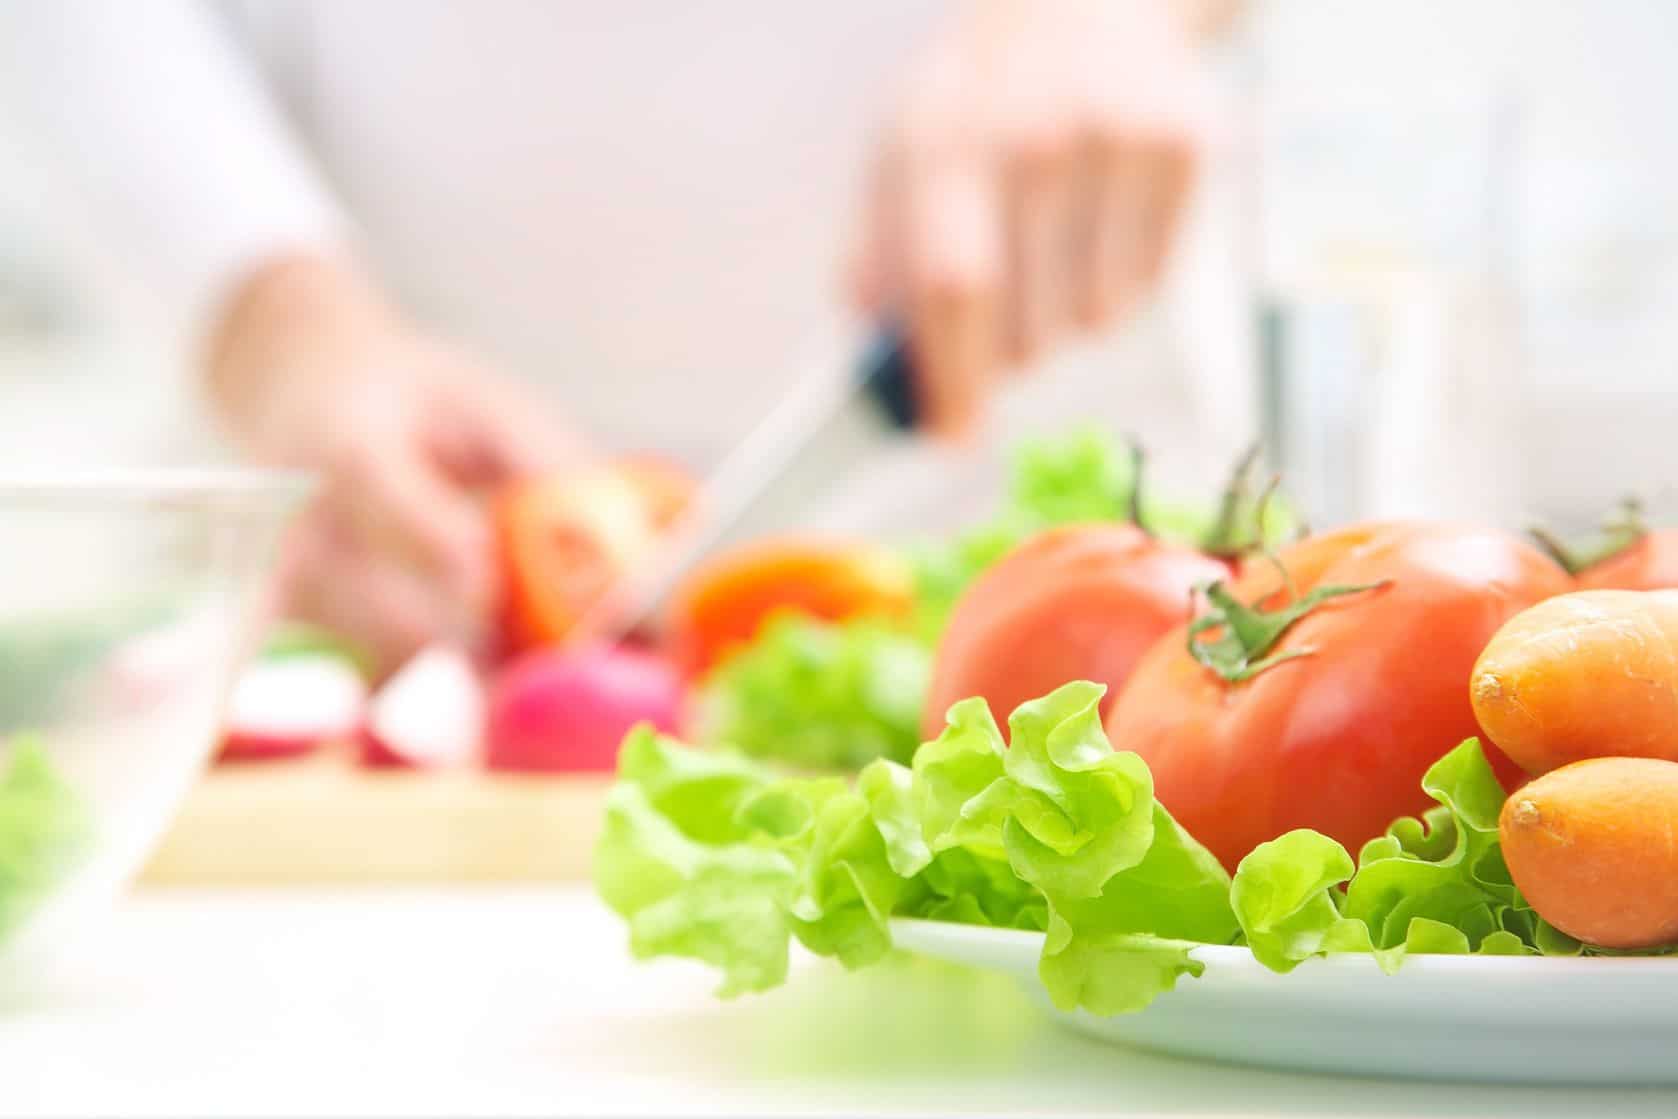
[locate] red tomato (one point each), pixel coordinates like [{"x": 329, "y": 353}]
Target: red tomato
[
  {"x": 1337, "y": 738},
  {"x": 1648, "y": 564},
  {"x": 1082, "y": 602},
  {"x": 723, "y": 602},
  {"x": 564, "y": 540},
  {"x": 1624, "y": 556}
]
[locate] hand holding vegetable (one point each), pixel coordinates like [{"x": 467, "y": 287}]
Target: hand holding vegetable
[{"x": 312, "y": 368}]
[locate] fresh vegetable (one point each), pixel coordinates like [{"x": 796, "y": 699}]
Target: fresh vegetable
[
  {"x": 42, "y": 829},
  {"x": 943, "y": 570},
  {"x": 287, "y": 706},
  {"x": 1089, "y": 475},
  {"x": 1625, "y": 555},
  {"x": 429, "y": 715},
  {"x": 1315, "y": 697},
  {"x": 818, "y": 695},
  {"x": 556, "y": 710},
  {"x": 1582, "y": 675},
  {"x": 565, "y": 540},
  {"x": 1435, "y": 884},
  {"x": 1080, "y": 602},
  {"x": 1591, "y": 844},
  {"x": 722, "y": 604},
  {"x": 710, "y": 856}
]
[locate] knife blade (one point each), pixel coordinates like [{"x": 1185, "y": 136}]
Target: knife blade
[{"x": 856, "y": 392}]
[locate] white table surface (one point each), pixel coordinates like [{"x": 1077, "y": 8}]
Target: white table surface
[{"x": 501, "y": 1001}]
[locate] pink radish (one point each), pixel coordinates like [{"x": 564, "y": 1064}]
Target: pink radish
[
  {"x": 557, "y": 710},
  {"x": 429, "y": 715},
  {"x": 291, "y": 705}
]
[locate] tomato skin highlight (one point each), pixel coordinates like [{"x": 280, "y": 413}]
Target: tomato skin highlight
[
  {"x": 726, "y": 600},
  {"x": 1079, "y": 602},
  {"x": 1336, "y": 740}
]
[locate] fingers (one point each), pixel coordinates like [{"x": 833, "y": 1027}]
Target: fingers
[
  {"x": 484, "y": 432},
  {"x": 1042, "y": 240},
  {"x": 329, "y": 576},
  {"x": 398, "y": 501},
  {"x": 1165, "y": 196},
  {"x": 953, "y": 263},
  {"x": 1137, "y": 185}
]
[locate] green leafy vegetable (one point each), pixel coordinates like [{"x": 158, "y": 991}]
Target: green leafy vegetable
[
  {"x": 1436, "y": 884},
  {"x": 819, "y": 695},
  {"x": 714, "y": 858},
  {"x": 41, "y": 830}
]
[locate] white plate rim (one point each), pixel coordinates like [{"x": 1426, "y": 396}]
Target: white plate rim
[{"x": 1225, "y": 957}]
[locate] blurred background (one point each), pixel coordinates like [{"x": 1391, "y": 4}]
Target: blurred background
[{"x": 1432, "y": 261}]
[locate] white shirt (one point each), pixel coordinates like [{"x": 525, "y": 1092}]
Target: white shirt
[
  {"x": 643, "y": 205},
  {"x": 640, "y": 201}
]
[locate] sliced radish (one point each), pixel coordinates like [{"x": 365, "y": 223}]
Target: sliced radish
[
  {"x": 567, "y": 710},
  {"x": 291, "y": 705},
  {"x": 429, "y": 715}
]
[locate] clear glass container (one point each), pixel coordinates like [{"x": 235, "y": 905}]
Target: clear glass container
[{"x": 127, "y": 600}]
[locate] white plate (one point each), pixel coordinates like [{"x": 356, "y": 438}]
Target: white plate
[{"x": 1507, "y": 1018}]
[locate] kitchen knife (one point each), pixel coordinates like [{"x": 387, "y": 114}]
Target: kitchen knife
[{"x": 857, "y": 394}]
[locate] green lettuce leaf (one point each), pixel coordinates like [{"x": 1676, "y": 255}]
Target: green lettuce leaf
[
  {"x": 1435, "y": 884},
  {"x": 42, "y": 829},
  {"x": 712, "y": 857},
  {"x": 1284, "y": 896},
  {"x": 819, "y": 695},
  {"x": 681, "y": 862}
]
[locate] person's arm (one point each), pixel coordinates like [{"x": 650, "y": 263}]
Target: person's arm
[
  {"x": 194, "y": 196},
  {"x": 176, "y": 168}
]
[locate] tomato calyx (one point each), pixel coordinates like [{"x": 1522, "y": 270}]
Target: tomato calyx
[
  {"x": 1133, "y": 506},
  {"x": 1228, "y": 538},
  {"x": 1241, "y": 650},
  {"x": 1623, "y": 527},
  {"x": 1239, "y": 529}
]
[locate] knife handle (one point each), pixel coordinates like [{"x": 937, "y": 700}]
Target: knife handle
[{"x": 888, "y": 377}]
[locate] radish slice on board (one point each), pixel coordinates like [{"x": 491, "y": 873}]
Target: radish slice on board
[
  {"x": 289, "y": 706},
  {"x": 567, "y": 711},
  {"x": 429, "y": 715}
]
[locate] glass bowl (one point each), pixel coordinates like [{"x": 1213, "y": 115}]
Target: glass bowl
[{"x": 127, "y": 600}]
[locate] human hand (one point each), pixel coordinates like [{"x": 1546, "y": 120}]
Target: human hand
[
  {"x": 312, "y": 369},
  {"x": 1029, "y": 183}
]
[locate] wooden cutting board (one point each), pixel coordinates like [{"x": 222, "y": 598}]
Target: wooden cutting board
[{"x": 325, "y": 820}]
